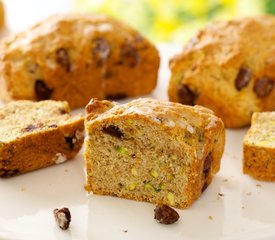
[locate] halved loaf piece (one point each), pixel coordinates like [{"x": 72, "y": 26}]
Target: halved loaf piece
[
  {"x": 151, "y": 150},
  {"x": 37, "y": 134}
]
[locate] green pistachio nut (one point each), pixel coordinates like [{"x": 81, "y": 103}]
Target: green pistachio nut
[
  {"x": 171, "y": 198},
  {"x": 134, "y": 171},
  {"x": 149, "y": 186},
  {"x": 154, "y": 173},
  {"x": 132, "y": 186},
  {"x": 122, "y": 150}
]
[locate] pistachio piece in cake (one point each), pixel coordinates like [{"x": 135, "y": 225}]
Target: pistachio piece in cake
[{"x": 151, "y": 150}]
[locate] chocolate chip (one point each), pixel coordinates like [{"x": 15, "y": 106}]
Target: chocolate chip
[
  {"x": 70, "y": 142},
  {"x": 263, "y": 87},
  {"x": 206, "y": 170},
  {"x": 120, "y": 62},
  {"x": 113, "y": 131},
  {"x": 107, "y": 74},
  {"x": 100, "y": 50},
  {"x": 42, "y": 91},
  {"x": 62, "y": 58},
  {"x": 130, "y": 55},
  {"x": 165, "y": 214},
  {"x": 205, "y": 185},
  {"x": 63, "y": 111},
  {"x": 116, "y": 96},
  {"x": 52, "y": 126},
  {"x": 186, "y": 96},
  {"x": 62, "y": 217},
  {"x": 207, "y": 165},
  {"x": 243, "y": 78},
  {"x": 5, "y": 173},
  {"x": 30, "y": 128}
]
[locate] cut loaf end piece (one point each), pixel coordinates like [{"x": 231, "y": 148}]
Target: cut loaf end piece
[
  {"x": 34, "y": 135},
  {"x": 151, "y": 150},
  {"x": 259, "y": 147}
]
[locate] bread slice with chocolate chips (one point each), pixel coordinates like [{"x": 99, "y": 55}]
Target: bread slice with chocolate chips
[
  {"x": 259, "y": 147},
  {"x": 34, "y": 135},
  {"x": 151, "y": 150},
  {"x": 219, "y": 69},
  {"x": 74, "y": 57}
]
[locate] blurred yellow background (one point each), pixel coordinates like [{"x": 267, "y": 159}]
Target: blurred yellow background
[{"x": 174, "y": 20}]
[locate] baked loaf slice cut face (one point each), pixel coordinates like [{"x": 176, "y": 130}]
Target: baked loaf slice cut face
[
  {"x": 259, "y": 147},
  {"x": 228, "y": 67},
  {"x": 74, "y": 57},
  {"x": 34, "y": 135},
  {"x": 151, "y": 150}
]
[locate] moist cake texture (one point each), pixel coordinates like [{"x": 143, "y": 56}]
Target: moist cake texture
[
  {"x": 34, "y": 135},
  {"x": 259, "y": 147},
  {"x": 151, "y": 150}
]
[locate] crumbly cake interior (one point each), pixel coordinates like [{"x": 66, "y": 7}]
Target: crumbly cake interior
[
  {"x": 151, "y": 150},
  {"x": 21, "y": 118},
  {"x": 152, "y": 165},
  {"x": 262, "y": 132},
  {"x": 35, "y": 135},
  {"x": 259, "y": 147}
]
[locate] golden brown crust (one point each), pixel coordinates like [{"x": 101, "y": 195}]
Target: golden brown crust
[
  {"x": 218, "y": 69},
  {"x": 2, "y": 15},
  {"x": 36, "y": 135},
  {"x": 195, "y": 129},
  {"x": 259, "y": 147},
  {"x": 88, "y": 56}
]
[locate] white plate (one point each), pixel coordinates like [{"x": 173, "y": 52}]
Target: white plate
[{"x": 233, "y": 207}]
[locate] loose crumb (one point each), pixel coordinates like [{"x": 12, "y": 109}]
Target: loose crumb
[
  {"x": 221, "y": 194},
  {"x": 23, "y": 189},
  {"x": 249, "y": 193},
  {"x": 125, "y": 231},
  {"x": 225, "y": 180},
  {"x": 258, "y": 185},
  {"x": 210, "y": 217},
  {"x": 66, "y": 170}
]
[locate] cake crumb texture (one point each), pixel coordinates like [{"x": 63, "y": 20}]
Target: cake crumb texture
[
  {"x": 259, "y": 147},
  {"x": 151, "y": 150},
  {"x": 37, "y": 134}
]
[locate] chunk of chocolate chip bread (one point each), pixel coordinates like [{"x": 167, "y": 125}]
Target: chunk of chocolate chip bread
[
  {"x": 259, "y": 147},
  {"x": 151, "y": 150},
  {"x": 34, "y": 135},
  {"x": 74, "y": 57},
  {"x": 230, "y": 68}
]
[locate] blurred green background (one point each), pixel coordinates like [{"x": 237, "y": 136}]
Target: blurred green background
[{"x": 174, "y": 20}]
